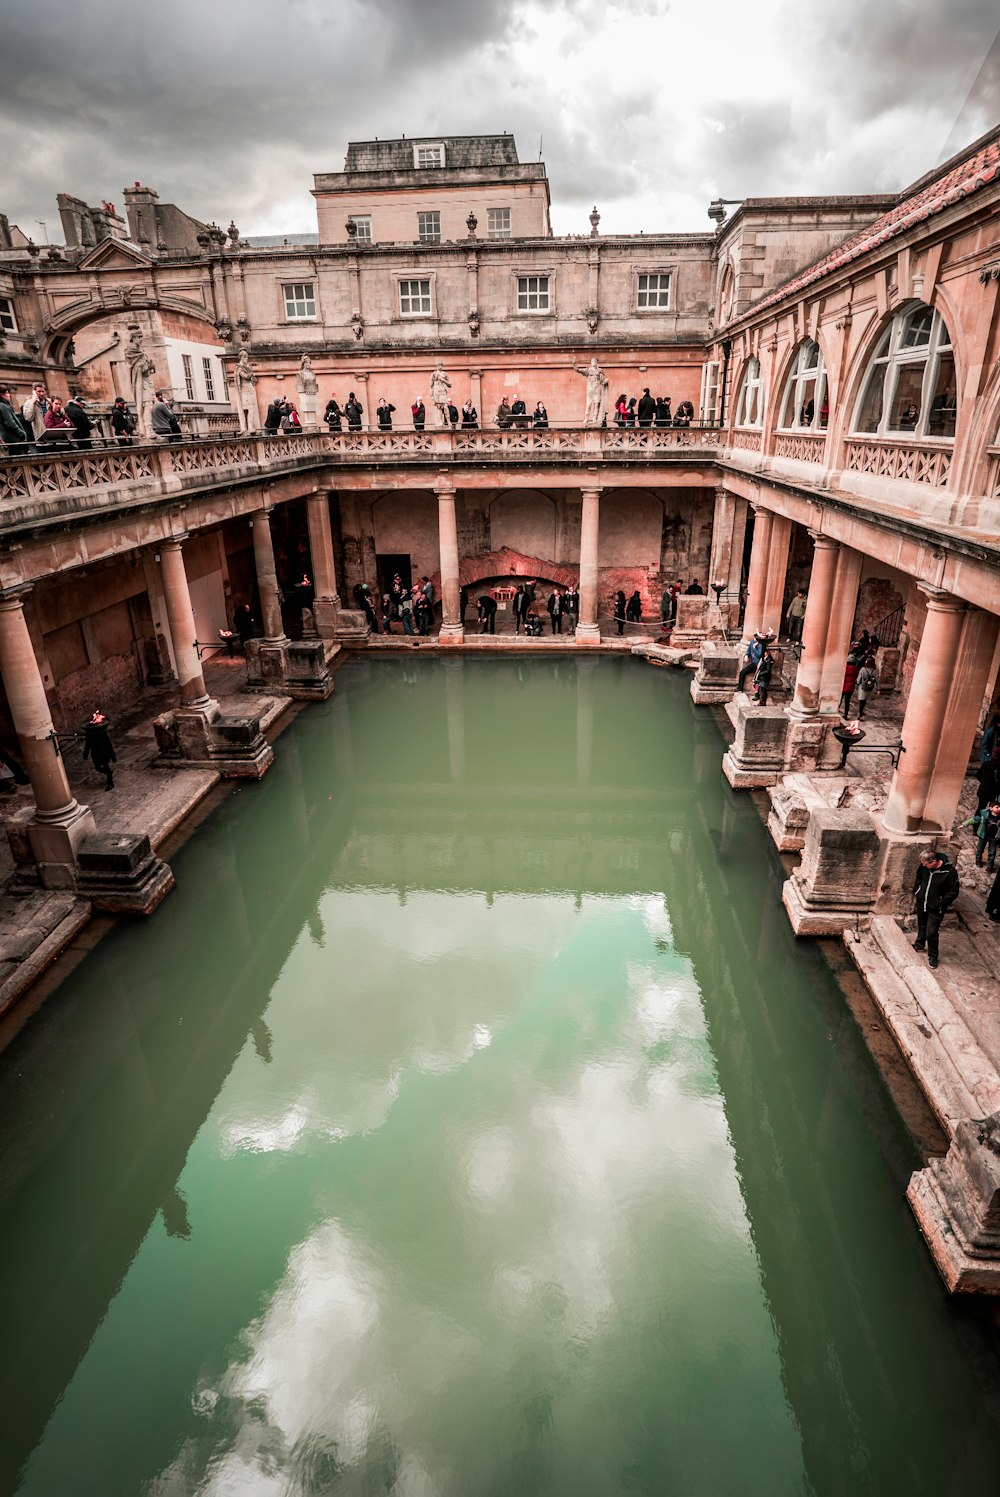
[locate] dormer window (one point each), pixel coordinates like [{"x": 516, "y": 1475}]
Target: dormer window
[{"x": 425, "y": 158}]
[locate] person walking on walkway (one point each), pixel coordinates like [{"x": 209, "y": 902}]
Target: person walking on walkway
[
  {"x": 620, "y": 614},
  {"x": 796, "y": 616},
  {"x": 850, "y": 679},
  {"x": 555, "y": 608},
  {"x": 867, "y": 683},
  {"x": 986, "y": 825},
  {"x": 97, "y": 746},
  {"x": 934, "y": 892},
  {"x": 519, "y": 607}
]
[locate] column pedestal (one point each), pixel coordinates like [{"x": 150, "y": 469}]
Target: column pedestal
[
  {"x": 834, "y": 885},
  {"x": 756, "y": 756},
  {"x": 717, "y": 676},
  {"x": 956, "y": 1201}
]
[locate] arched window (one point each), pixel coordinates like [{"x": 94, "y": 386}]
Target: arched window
[
  {"x": 750, "y": 406},
  {"x": 910, "y": 387},
  {"x": 726, "y": 295},
  {"x": 805, "y": 406}
]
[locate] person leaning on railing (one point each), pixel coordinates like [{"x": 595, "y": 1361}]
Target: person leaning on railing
[
  {"x": 12, "y": 432},
  {"x": 58, "y": 426}
]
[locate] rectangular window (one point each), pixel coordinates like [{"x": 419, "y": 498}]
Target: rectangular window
[
  {"x": 300, "y": 300},
  {"x": 414, "y": 298},
  {"x": 654, "y": 290},
  {"x": 532, "y": 293},
  {"x": 188, "y": 376},
  {"x": 429, "y": 227},
  {"x": 363, "y": 225},
  {"x": 498, "y": 223},
  {"x": 426, "y": 157},
  {"x": 206, "y": 365},
  {"x": 7, "y": 322}
]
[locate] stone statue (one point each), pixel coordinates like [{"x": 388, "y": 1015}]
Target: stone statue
[
  {"x": 246, "y": 396},
  {"x": 597, "y": 393},
  {"x": 141, "y": 370},
  {"x": 441, "y": 393},
  {"x": 307, "y": 388}
]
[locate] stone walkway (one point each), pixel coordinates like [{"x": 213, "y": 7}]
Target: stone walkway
[{"x": 37, "y": 924}]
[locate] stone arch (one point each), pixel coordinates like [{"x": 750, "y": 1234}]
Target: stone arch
[
  {"x": 523, "y": 520},
  {"x": 61, "y": 329},
  {"x": 505, "y": 564}
]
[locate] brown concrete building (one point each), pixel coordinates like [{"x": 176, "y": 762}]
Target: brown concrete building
[{"x": 840, "y": 356}]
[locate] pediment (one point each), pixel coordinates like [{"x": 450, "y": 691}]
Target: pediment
[{"x": 114, "y": 254}]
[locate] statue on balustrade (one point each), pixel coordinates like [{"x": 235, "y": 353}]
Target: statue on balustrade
[
  {"x": 246, "y": 396},
  {"x": 307, "y": 389},
  {"x": 141, "y": 370},
  {"x": 441, "y": 394},
  {"x": 597, "y": 393}
]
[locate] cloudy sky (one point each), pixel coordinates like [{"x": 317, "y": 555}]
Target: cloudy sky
[{"x": 648, "y": 109}]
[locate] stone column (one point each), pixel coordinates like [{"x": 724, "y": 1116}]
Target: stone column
[
  {"x": 729, "y": 523},
  {"x": 451, "y": 613},
  {"x": 267, "y": 579},
  {"x": 757, "y": 584},
  {"x": 587, "y": 630},
  {"x": 326, "y": 603},
  {"x": 926, "y": 712},
  {"x": 965, "y": 702},
  {"x": 815, "y": 625},
  {"x": 60, "y": 824},
  {"x": 843, "y": 606},
  {"x": 777, "y": 566},
  {"x": 180, "y": 622}
]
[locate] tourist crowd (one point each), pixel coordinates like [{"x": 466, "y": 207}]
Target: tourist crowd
[{"x": 44, "y": 423}]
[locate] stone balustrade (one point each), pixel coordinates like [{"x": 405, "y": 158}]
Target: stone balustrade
[
  {"x": 911, "y": 461},
  {"x": 800, "y": 446}
]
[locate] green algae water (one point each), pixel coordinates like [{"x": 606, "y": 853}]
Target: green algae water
[{"x": 469, "y": 1122}]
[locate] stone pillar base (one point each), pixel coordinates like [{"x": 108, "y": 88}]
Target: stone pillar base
[
  {"x": 120, "y": 873},
  {"x": 587, "y": 634},
  {"x": 54, "y": 843},
  {"x": 294, "y": 668},
  {"x": 956, "y": 1201},
  {"x": 898, "y": 868},
  {"x": 717, "y": 676},
  {"x": 451, "y": 634},
  {"x": 756, "y": 756},
  {"x": 233, "y": 746},
  {"x": 691, "y": 624},
  {"x": 346, "y": 625},
  {"x": 834, "y": 885}
]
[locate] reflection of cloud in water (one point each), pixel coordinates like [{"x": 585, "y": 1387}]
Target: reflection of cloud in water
[
  {"x": 346, "y": 1029},
  {"x": 365, "y": 1361}
]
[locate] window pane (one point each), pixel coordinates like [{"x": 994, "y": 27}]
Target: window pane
[
  {"x": 206, "y": 365},
  {"x": 941, "y": 421},
  {"x": 363, "y": 225},
  {"x": 810, "y": 356},
  {"x": 917, "y": 333},
  {"x": 498, "y": 223},
  {"x": 533, "y": 293},
  {"x": 654, "y": 291},
  {"x": 188, "y": 375},
  {"x": 807, "y": 400},
  {"x": 905, "y": 413},
  {"x": 299, "y": 299},
  {"x": 429, "y": 227},
  {"x": 870, "y": 413},
  {"x": 7, "y": 316},
  {"x": 414, "y": 296}
]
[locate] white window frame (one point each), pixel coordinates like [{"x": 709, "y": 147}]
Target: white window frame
[
  {"x": 429, "y": 148},
  {"x": 808, "y": 370},
  {"x": 209, "y": 375},
  {"x": 303, "y": 294},
  {"x": 415, "y": 280},
  {"x": 524, "y": 279},
  {"x": 893, "y": 355},
  {"x": 750, "y": 405},
  {"x": 657, "y": 291},
  {"x": 429, "y": 226},
  {"x": 497, "y": 228},
  {"x": 363, "y": 228},
  {"x": 709, "y": 401},
  {"x": 8, "y": 322},
  {"x": 187, "y": 365}
]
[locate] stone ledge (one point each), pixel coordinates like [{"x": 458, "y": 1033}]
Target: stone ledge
[
  {"x": 963, "y": 1270},
  {"x": 41, "y": 949}
]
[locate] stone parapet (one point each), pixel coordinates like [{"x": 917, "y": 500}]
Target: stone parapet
[
  {"x": 717, "y": 675},
  {"x": 834, "y": 886},
  {"x": 756, "y": 756}
]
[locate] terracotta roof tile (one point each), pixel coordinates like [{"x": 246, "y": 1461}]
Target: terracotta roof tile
[{"x": 967, "y": 177}]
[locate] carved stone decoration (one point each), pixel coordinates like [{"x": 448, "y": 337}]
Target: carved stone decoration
[
  {"x": 307, "y": 389},
  {"x": 234, "y": 235},
  {"x": 593, "y": 318},
  {"x": 141, "y": 370},
  {"x": 224, "y": 330},
  {"x": 595, "y": 219},
  {"x": 357, "y": 324},
  {"x": 244, "y": 327},
  {"x": 244, "y": 380},
  {"x": 474, "y": 321},
  {"x": 352, "y": 230},
  {"x": 440, "y": 393},
  {"x": 33, "y": 249},
  {"x": 596, "y": 410},
  {"x": 472, "y": 224}
]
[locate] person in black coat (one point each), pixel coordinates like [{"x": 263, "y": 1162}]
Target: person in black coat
[
  {"x": 662, "y": 415},
  {"x": 934, "y": 892},
  {"x": 988, "y": 776},
  {"x": 82, "y": 424},
  {"x": 353, "y": 410},
  {"x": 487, "y": 610},
  {"x": 418, "y": 413},
  {"x": 633, "y": 609},
  {"x": 12, "y": 432},
  {"x": 273, "y": 418},
  {"x": 333, "y": 415},
  {"x": 540, "y": 417},
  {"x": 97, "y": 746},
  {"x": 453, "y": 415},
  {"x": 122, "y": 423},
  {"x": 620, "y": 611},
  {"x": 762, "y": 678},
  {"x": 519, "y": 607},
  {"x": 470, "y": 416},
  {"x": 383, "y": 414},
  {"x": 243, "y": 623},
  {"x": 646, "y": 408},
  {"x": 555, "y": 607}
]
